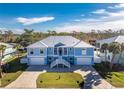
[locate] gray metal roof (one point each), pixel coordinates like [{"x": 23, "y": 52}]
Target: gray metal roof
[
  {"x": 37, "y": 44},
  {"x": 63, "y": 41},
  {"x": 83, "y": 44},
  {"x": 119, "y": 39}
]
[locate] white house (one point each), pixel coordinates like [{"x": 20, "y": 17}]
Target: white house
[
  {"x": 119, "y": 39},
  {"x": 55, "y": 50},
  {"x": 8, "y": 51}
]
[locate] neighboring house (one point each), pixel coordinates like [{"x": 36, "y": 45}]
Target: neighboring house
[
  {"x": 8, "y": 51},
  {"x": 65, "y": 50},
  {"x": 119, "y": 39}
]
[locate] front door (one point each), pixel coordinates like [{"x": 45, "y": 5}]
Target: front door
[{"x": 60, "y": 51}]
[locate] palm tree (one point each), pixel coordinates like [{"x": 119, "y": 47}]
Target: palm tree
[
  {"x": 2, "y": 49},
  {"x": 114, "y": 48},
  {"x": 17, "y": 47},
  {"x": 122, "y": 49},
  {"x": 104, "y": 47},
  {"x": 10, "y": 35}
]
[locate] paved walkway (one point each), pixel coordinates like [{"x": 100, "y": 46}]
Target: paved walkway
[
  {"x": 27, "y": 79},
  {"x": 92, "y": 79}
]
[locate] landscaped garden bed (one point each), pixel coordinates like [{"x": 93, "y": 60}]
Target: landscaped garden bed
[
  {"x": 13, "y": 72},
  {"x": 60, "y": 80},
  {"x": 114, "y": 77}
]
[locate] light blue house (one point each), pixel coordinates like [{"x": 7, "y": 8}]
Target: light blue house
[
  {"x": 65, "y": 50},
  {"x": 8, "y": 51}
]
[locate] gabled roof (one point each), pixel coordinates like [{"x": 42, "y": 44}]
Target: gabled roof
[
  {"x": 83, "y": 44},
  {"x": 63, "y": 41},
  {"x": 119, "y": 39},
  {"x": 37, "y": 44},
  {"x": 7, "y": 45}
]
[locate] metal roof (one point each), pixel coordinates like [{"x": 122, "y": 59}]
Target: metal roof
[
  {"x": 37, "y": 44},
  {"x": 63, "y": 41},
  {"x": 83, "y": 44},
  {"x": 119, "y": 39}
]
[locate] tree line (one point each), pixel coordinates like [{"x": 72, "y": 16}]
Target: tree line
[{"x": 30, "y": 36}]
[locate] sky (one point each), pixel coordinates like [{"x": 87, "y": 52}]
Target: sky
[{"x": 61, "y": 17}]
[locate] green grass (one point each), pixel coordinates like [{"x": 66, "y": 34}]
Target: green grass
[
  {"x": 116, "y": 79},
  {"x": 15, "y": 70},
  {"x": 59, "y": 80}
]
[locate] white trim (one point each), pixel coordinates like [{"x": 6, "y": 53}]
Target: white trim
[{"x": 43, "y": 43}]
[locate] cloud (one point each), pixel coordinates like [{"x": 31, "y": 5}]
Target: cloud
[
  {"x": 77, "y": 20},
  {"x": 117, "y": 6},
  {"x": 100, "y": 11},
  {"x": 29, "y": 21},
  {"x": 112, "y": 20}
]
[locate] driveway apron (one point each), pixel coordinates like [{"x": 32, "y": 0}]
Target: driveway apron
[
  {"x": 92, "y": 79},
  {"x": 27, "y": 79}
]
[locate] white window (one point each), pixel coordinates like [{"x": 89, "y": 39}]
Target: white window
[
  {"x": 41, "y": 51},
  {"x": 84, "y": 51},
  {"x": 31, "y": 51}
]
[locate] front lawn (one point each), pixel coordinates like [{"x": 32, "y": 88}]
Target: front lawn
[
  {"x": 115, "y": 77},
  {"x": 13, "y": 72},
  {"x": 59, "y": 80}
]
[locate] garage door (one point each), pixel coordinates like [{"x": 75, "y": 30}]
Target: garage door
[
  {"x": 37, "y": 61},
  {"x": 84, "y": 61}
]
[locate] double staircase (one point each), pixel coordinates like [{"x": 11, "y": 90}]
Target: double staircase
[{"x": 58, "y": 61}]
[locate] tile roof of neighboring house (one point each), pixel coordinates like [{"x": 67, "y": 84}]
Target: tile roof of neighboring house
[
  {"x": 7, "y": 45},
  {"x": 63, "y": 41},
  {"x": 119, "y": 39}
]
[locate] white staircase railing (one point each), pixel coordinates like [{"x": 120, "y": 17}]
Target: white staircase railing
[{"x": 60, "y": 61}]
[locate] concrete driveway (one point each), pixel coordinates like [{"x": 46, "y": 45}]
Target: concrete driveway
[
  {"x": 92, "y": 78},
  {"x": 28, "y": 78}
]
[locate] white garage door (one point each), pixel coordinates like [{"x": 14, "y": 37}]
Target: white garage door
[
  {"x": 37, "y": 61},
  {"x": 84, "y": 61}
]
